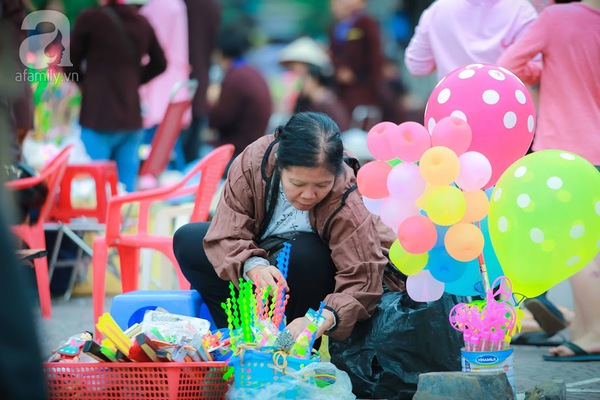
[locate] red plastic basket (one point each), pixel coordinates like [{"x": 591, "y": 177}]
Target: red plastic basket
[{"x": 184, "y": 381}]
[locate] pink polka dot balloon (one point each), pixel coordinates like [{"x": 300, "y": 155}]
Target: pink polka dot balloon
[{"x": 495, "y": 104}]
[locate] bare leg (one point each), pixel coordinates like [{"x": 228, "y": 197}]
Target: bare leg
[{"x": 585, "y": 328}]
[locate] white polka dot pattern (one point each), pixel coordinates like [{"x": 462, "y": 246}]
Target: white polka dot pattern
[
  {"x": 510, "y": 120},
  {"x": 537, "y": 236},
  {"x": 444, "y": 96},
  {"x": 466, "y": 74},
  {"x": 523, "y": 200},
  {"x": 520, "y": 172},
  {"x": 491, "y": 97},
  {"x": 554, "y": 182},
  {"x": 459, "y": 114}
]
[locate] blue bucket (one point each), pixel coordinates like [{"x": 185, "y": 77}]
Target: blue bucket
[{"x": 255, "y": 369}]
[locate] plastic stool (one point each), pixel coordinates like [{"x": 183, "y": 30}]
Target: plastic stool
[
  {"x": 129, "y": 308},
  {"x": 104, "y": 173}
]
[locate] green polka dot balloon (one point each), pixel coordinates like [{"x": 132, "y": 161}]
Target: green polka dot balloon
[{"x": 544, "y": 219}]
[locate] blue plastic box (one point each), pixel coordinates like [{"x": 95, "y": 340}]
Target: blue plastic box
[{"x": 129, "y": 308}]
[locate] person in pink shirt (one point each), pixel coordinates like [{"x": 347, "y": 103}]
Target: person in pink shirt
[
  {"x": 454, "y": 33},
  {"x": 568, "y": 119},
  {"x": 169, "y": 20}
]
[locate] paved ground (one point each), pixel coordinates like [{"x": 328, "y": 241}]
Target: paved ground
[{"x": 582, "y": 379}]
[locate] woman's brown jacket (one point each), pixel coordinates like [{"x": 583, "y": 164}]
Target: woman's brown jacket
[{"x": 359, "y": 242}]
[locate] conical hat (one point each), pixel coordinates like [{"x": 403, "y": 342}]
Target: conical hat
[{"x": 306, "y": 50}]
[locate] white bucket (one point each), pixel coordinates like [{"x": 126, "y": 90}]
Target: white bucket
[{"x": 488, "y": 361}]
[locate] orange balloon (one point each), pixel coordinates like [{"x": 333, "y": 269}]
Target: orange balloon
[
  {"x": 464, "y": 242},
  {"x": 439, "y": 166},
  {"x": 372, "y": 179},
  {"x": 477, "y": 206}
]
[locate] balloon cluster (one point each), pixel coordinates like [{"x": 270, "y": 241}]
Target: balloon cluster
[
  {"x": 433, "y": 187},
  {"x": 428, "y": 184},
  {"x": 445, "y": 189}
]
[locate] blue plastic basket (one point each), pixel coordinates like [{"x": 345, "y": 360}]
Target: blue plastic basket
[{"x": 257, "y": 369}]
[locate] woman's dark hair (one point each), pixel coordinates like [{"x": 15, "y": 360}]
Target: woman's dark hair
[{"x": 310, "y": 139}]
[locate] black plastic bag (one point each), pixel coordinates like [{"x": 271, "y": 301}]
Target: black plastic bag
[{"x": 385, "y": 354}]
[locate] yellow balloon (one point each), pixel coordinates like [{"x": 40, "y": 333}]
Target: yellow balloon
[
  {"x": 407, "y": 263},
  {"x": 445, "y": 205},
  {"x": 422, "y": 201},
  {"x": 439, "y": 166},
  {"x": 544, "y": 219}
]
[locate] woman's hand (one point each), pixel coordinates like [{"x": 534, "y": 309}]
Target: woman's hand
[
  {"x": 264, "y": 276},
  {"x": 299, "y": 324}
]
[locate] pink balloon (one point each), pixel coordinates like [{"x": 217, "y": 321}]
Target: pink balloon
[
  {"x": 372, "y": 179},
  {"x": 424, "y": 287},
  {"x": 379, "y": 140},
  {"x": 373, "y": 205},
  {"x": 393, "y": 211},
  {"x": 452, "y": 132},
  {"x": 410, "y": 141},
  {"x": 497, "y": 107},
  {"x": 405, "y": 182},
  {"x": 417, "y": 234},
  {"x": 475, "y": 171}
]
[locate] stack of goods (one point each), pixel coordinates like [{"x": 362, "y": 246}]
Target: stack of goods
[{"x": 160, "y": 337}]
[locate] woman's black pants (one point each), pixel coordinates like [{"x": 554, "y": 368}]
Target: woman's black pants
[{"x": 311, "y": 272}]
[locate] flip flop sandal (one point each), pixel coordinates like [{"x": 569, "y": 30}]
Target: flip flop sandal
[
  {"x": 550, "y": 319},
  {"x": 580, "y": 354}
]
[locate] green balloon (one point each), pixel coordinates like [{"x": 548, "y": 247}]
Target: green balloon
[
  {"x": 544, "y": 219},
  {"x": 405, "y": 262},
  {"x": 394, "y": 161}
]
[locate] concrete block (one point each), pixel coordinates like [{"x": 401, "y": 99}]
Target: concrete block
[
  {"x": 464, "y": 385},
  {"x": 548, "y": 390}
]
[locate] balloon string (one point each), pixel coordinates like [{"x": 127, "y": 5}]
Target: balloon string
[{"x": 485, "y": 280}]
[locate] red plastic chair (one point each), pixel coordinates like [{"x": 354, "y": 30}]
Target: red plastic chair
[
  {"x": 75, "y": 221},
  {"x": 210, "y": 167},
  {"x": 168, "y": 130},
  {"x": 104, "y": 173},
  {"x": 33, "y": 235}
]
